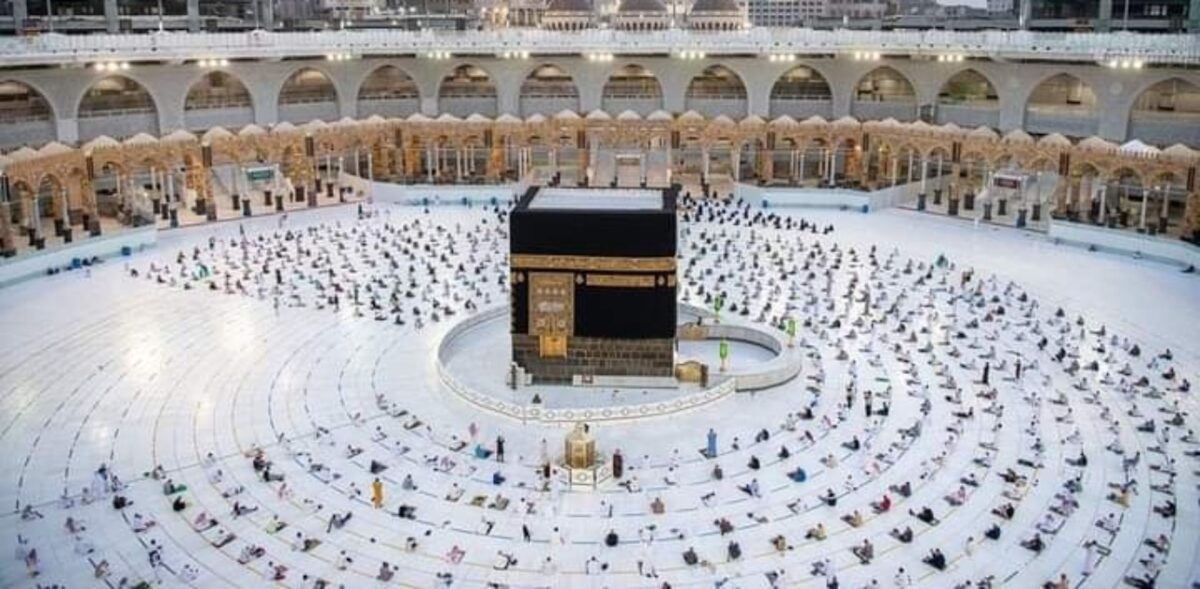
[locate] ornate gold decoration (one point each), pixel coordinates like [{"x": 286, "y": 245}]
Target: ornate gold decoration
[
  {"x": 621, "y": 280},
  {"x": 551, "y": 303},
  {"x": 691, "y": 371},
  {"x": 592, "y": 263},
  {"x": 579, "y": 448},
  {"x": 552, "y": 346}
]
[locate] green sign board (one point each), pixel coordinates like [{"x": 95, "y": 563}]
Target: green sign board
[{"x": 264, "y": 174}]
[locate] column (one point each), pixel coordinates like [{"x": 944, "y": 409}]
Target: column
[
  {"x": 66, "y": 214},
  {"x": 924, "y": 174},
  {"x": 34, "y": 219},
  {"x": 7, "y": 244},
  {"x": 20, "y": 12},
  {"x": 895, "y": 169},
  {"x": 1104, "y": 17},
  {"x": 1142, "y": 219},
  {"x": 267, "y": 14},
  {"x": 193, "y": 16},
  {"x": 800, "y": 166},
  {"x": 112, "y": 16},
  {"x": 704, "y": 162},
  {"x": 831, "y": 167}
]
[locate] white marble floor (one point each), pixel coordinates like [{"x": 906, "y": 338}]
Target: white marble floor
[{"x": 133, "y": 374}]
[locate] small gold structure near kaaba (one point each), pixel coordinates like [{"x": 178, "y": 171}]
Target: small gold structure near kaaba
[{"x": 580, "y": 461}]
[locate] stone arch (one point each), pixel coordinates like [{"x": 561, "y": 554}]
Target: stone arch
[
  {"x": 217, "y": 98},
  {"x": 548, "y": 89},
  {"x": 117, "y": 106},
  {"x": 801, "y": 92},
  {"x": 48, "y": 193},
  {"x": 717, "y": 90},
  {"x": 306, "y": 94},
  {"x": 388, "y": 91},
  {"x": 968, "y": 99},
  {"x": 884, "y": 93},
  {"x": 631, "y": 87},
  {"x": 1166, "y": 112},
  {"x": 1168, "y": 197},
  {"x": 1062, "y": 103},
  {"x": 27, "y": 117},
  {"x": 468, "y": 89}
]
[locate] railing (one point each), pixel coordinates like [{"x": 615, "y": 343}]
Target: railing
[
  {"x": 56, "y": 48},
  {"x": 723, "y": 387}
]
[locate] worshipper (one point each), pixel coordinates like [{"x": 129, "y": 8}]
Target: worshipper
[
  {"x": 816, "y": 532},
  {"x": 865, "y": 551},
  {"x": 752, "y": 489},
  {"x": 1035, "y": 543},
  {"x": 377, "y": 493},
  {"x": 925, "y": 514},
  {"x": 936, "y": 559},
  {"x": 905, "y": 535}
]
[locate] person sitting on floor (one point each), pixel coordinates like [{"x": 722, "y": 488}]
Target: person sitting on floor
[
  {"x": 993, "y": 532},
  {"x": 905, "y": 535},
  {"x": 936, "y": 559},
  {"x": 865, "y": 551},
  {"x": 816, "y": 533},
  {"x": 925, "y": 515},
  {"x": 1035, "y": 543}
]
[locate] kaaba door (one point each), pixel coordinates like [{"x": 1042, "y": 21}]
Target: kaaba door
[{"x": 552, "y": 311}]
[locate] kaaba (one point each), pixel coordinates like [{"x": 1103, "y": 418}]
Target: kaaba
[{"x": 593, "y": 283}]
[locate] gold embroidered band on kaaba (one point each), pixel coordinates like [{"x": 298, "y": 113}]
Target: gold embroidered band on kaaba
[
  {"x": 591, "y": 263},
  {"x": 622, "y": 280}
]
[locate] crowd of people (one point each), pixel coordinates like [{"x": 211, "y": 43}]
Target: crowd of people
[{"x": 938, "y": 411}]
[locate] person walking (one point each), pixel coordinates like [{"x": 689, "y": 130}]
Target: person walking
[
  {"x": 710, "y": 449},
  {"x": 499, "y": 448}
]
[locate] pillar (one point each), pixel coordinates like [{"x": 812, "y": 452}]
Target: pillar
[
  {"x": 8, "y": 247},
  {"x": 1142, "y": 214},
  {"x": 831, "y": 167},
  {"x": 20, "y": 12},
  {"x": 112, "y": 17},
  {"x": 1104, "y": 17},
  {"x": 193, "y": 16},
  {"x": 267, "y": 14}
]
